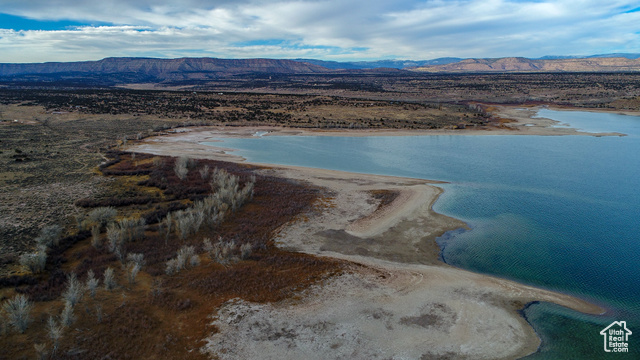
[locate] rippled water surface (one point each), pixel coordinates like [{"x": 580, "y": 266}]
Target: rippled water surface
[{"x": 558, "y": 212}]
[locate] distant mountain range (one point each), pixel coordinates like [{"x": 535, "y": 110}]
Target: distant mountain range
[
  {"x": 614, "y": 55},
  {"x": 591, "y": 64},
  {"x": 111, "y": 71},
  {"x": 163, "y": 68},
  {"x": 409, "y": 64}
]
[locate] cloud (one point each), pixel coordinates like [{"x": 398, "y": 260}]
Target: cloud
[{"x": 330, "y": 29}]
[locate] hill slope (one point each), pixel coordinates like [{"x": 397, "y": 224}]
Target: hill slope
[
  {"x": 191, "y": 71},
  {"x": 516, "y": 64},
  {"x": 163, "y": 69}
]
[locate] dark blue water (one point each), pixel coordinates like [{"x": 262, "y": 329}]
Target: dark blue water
[{"x": 557, "y": 212}]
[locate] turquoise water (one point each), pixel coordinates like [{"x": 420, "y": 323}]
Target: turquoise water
[{"x": 556, "y": 212}]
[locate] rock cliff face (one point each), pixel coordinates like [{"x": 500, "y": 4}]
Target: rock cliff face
[
  {"x": 164, "y": 69},
  {"x": 513, "y": 64}
]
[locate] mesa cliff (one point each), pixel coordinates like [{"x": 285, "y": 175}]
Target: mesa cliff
[{"x": 519, "y": 64}]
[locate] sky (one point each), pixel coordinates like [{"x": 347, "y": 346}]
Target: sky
[{"x": 339, "y": 30}]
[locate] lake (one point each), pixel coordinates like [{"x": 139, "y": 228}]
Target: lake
[{"x": 559, "y": 212}]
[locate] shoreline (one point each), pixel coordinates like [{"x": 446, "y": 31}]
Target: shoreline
[
  {"x": 398, "y": 241},
  {"x": 521, "y": 117},
  {"x": 596, "y": 110},
  {"x": 524, "y": 120}
]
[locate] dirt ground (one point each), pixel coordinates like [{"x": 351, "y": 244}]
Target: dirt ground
[{"x": 47, "y": 162}]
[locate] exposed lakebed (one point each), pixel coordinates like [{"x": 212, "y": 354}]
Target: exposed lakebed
[{"x": 560, "y": 212}]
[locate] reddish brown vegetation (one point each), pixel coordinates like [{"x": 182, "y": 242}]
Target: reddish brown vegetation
[
  {"x": 271, "y": 276},
  {"x": 162, "y": 316}
]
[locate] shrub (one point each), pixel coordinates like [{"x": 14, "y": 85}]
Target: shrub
[
  {"x": 49, "y": 235},
  {"x": 167, "y": 226},
  {"x": 227, "y": 188},
  {"x": 183, "y": 224},
  {"x": 139, "y": 227},
  {"x": 181, "y": 262},
  {"x": 54, "y": 331},
  {"x": 79, "y": 222},
  {"x": 212, "y": 210},
  {"x": 102, "y": 215},
  {"x": 228, "y": 248},
  {"x": 74, "y": 292},
  {"x": 221, "y": 179},
  {"x": 67, "y": 317},
  {"x": 114, "y": 235},
  {"x": 245, "y": 251},
  {"x": 132, "y": 228},
  {"x": 187, "y": 222},
  {"x": 95, "y": 237},
  {"x": 99, "y": 313},
  {"x": 109, "y": 279},
  {"x": 125, "y": 230},
  {"x": 194, "y": 260},
  {"x": 171, "y": 267},
  {"x": 134, "y": 265},
  {"x": 134, "y": 269},
  {"x": 186, "y": 256},
  {"x": 212, "y": 250},
  {"x": 35, "y": 262},
  {"x": 92, "y": 283},
  {"x": 18, "y": 311},
  {"x": 222, "y": 251},
  {"x": 180, "y": 167},
  {"x": 204, "y": 172},
  {"x": 119, "y": 255},
  {"x": 207, "y": 246},
  {"x": 135, "y": 259}
]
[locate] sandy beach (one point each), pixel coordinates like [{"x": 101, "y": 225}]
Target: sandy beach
[{"x": 398, "y": 300}]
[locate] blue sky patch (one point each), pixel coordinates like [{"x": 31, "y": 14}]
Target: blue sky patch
[
  {"x": 298, "y": 45},
  {"x": 21, "y": 23},
  {"x": 270, "y": 42}
]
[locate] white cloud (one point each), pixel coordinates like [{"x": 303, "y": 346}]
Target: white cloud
[{"x": 306, "y": 28}]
